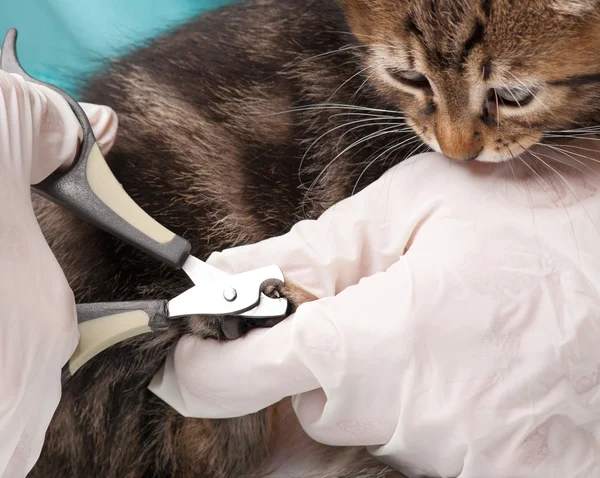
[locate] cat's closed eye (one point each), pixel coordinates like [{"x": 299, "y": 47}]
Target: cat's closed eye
[
  {"x": 512, "y": 97},
  {"x": 411, "y": 78}
]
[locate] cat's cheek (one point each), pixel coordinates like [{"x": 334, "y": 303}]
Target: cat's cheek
[
  {"x": 432, "y": 142},
  {"x": 426, "y": 134}
]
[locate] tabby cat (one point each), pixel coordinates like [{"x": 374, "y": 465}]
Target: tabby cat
[{"x": 253, "y": 117}]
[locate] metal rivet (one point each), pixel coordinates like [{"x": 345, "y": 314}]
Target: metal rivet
[{"x": 230, "y": 294}]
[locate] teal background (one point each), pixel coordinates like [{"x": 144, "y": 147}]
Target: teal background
[{"x": 63, "y": 41}]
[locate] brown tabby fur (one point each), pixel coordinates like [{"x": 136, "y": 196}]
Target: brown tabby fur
[
  {"x": 467, "y": 47},
  {"x": 221, "y": 141}
]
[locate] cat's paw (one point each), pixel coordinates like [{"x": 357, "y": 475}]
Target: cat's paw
[
  {"x": 295, "y": 295},
  {"x": 234, "y": 327}
]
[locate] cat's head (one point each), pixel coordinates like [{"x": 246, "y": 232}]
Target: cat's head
[{"x": 483, "y": 79}]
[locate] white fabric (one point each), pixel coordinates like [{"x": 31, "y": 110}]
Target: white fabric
[
  {"x": 458, "y": 328},
  {"x": 38, "y": 333}
]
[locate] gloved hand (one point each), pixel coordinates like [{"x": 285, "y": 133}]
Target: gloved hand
[
  {"x": 38, "y": 327},
  {"x": 456, "y": 333}
]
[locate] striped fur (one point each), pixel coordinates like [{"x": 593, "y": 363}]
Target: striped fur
[{"x": 221, "y": 141}]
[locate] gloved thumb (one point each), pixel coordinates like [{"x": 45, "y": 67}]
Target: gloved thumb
[
  {"x": 105, "y": 124},
  {"x": 51, "y": 128},
  {"x": 46, "y": 128},
  {"x": 211, "y": 379}
]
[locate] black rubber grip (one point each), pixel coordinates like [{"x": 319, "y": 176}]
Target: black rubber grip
[{"x": 157, "y": 311}]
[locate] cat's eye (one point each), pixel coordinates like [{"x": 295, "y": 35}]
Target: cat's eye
[
  {"x": 411, "y": 78},
  {"x": 513, "y": 97}
]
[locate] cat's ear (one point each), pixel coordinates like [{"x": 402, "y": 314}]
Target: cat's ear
[{"x": 575, "y": 7}]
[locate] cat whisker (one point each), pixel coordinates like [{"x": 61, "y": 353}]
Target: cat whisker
[
  {"x": 553, "y": 158},
  {"x": 570, "y": 154},
  {"x": 349, "y": 47},
  {"x": 561, "y": 148},
  {"x": 369, "y": 115},
  {"x": 344, "y": 106},
  {"x": 370, "y": 121},
  {"x": 367, "y": 160},
  {"x": 497, "y": 107},
  {"x": 369, "y": 137},
  {"x": 556, "y": 160},
  {"x": 368, "y": 165},
  {"x": 367, "y": 122},
  {"x": 574, "y": 146},
  {"x": 392, "y": 125},
  {"x": 571, "y": 190},
  {"x": 526, "y": 188},
  {"x": 575, "y": 130},
  {"x": 378, "y": 38},
  {"x": 571, "y": 136},
  {"x": 413, "y": 151},
  {"x": 330, "y": 106},
  {"x": 339, "y": 155},
  {"x": 364, "y": 83},
  {"x": 388, "y": 151},
  {"x": 350, "y": 79},
  {"x": 343, "y": 49},
  {"x": 364, "y": 108},
  {"x": 555, "y": 191}
]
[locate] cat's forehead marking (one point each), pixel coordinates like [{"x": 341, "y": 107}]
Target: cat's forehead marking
[
  {"x": 486, "y": 7},
  {"x": 476, "y": 39},
  {"x": 449, "y": 33}
]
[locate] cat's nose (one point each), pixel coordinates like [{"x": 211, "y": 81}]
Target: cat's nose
[{"x": 459, "y": 142}]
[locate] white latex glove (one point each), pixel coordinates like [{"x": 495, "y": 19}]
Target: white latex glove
[
  {"x": 469, "y": 347},
  {"x": 38, "y": 326}
]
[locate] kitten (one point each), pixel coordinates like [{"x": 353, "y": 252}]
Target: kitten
[{"x": 253, "y": 117}]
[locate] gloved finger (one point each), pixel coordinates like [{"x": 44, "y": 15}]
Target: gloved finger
[
  {"x": 38, "y": 130},
  {"x": 55, "y": 132},
  {"x": 58, "y": 119},
  {"x": 36, "y": 336},
  {"x": 210, "y": 379},
  {"x": 41, "y": 133},
  {"x": 357, "y": 237},
  {"x": 104, "y": 122}
]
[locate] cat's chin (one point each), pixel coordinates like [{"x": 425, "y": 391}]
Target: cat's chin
[
  {"x": 486, "y": 156},
  {"x": 494, "y": 157}
]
